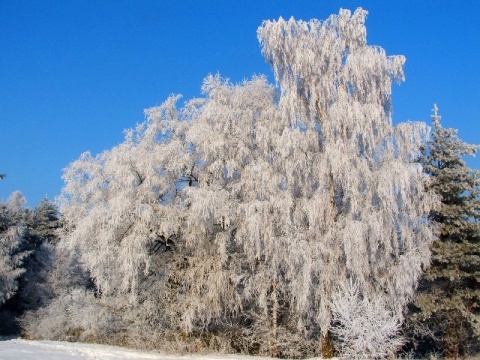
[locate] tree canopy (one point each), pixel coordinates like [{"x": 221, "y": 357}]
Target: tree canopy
[{"x": 238, "y": 220}]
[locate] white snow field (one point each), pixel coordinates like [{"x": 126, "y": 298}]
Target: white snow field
[{"x": 19, "y": 349}]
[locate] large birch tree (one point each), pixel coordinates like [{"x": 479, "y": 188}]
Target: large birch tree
[
  {"x": 323, "y": 189},
  {"x": 273, "y": 197},
  {"x": 364, "y": 210}
]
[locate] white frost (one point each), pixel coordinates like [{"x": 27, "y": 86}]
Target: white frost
[{"x": 19, "y": 349}]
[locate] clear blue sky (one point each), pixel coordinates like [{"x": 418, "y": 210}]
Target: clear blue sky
[{"x": 74, "y": 74}]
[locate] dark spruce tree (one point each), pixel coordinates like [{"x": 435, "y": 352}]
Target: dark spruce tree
[
  {"x": 448, "y": 300},
  {"x": 40, "y": 239}
]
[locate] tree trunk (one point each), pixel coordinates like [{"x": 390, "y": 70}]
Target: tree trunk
[
  {"x": 453, "y": 336},
  {"x": 327, "y": 346},
  {"x": 273, "y": 338}
]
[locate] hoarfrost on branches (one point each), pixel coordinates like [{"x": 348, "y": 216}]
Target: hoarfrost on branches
[
  {"x": 117, "y": 204},
  {"x": 364, "y": 327},
  {"x": 359, "y": 200},
  {"x": 11, "y": 238},
  {"x": 448, "y": 300},
  {"x": 269, "y": 199}
]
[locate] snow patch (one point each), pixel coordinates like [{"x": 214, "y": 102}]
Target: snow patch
[{"x": 19, "y": 349}]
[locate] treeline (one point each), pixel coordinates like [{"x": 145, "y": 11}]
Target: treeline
[{"x": 289, "y": 222}]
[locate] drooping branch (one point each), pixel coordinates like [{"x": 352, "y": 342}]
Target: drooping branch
[
  {"x": 140, "y": 179},
  {"x": 122, "y": 236}
]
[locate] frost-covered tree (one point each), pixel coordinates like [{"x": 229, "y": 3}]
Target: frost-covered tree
[
  {"x": 16, "y": 204},
  {"x": 41, "y": 226},
  {"x": 449, "y": 298},
  {"x": 358, "y": 205},
  {"x": 10, "y": 261},
  {"x": 26, "y": 250},
  {"x": 43, "y": 222},
  {"x": 319, "y": 187},
  {"x": 119, "y": 205},
  {"x": 267, "y": 199},
  {"x": 365, "y": 329},
  {"x": 122, "y": 211},
  {"x": 11, "y": 238}
]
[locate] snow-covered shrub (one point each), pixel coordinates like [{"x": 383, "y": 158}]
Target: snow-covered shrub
[{"x": 75, "y": 315}]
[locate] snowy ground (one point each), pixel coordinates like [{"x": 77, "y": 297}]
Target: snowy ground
[{"x": 19, "y": 349}]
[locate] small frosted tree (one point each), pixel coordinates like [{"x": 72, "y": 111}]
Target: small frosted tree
[
  {"x": 10, "y": 262},
  {"x": 365, "y": 329},
  {"x": 16, "y": 204}
]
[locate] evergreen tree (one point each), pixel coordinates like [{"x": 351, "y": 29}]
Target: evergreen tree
[
  {"x": 27, "y": 240},
  {"x": 12, "y": 256},
  {"x": 43, "y": 222},
  {"x": 11, "y": 240},
  {"x": 449, "y": 296},
  {"x": 41, "y": 225}
]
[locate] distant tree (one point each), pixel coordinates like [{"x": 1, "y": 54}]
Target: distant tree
[
  {"x": 16, "y": 205},
  {"x": 28, "y": 238},
  {"x": 449, "y": 298},
  {"x": 41, "y": 226},
  {"x": 10, "y": 262},
  {"x": 11, "y": 240},
  {"x": 43, "y": 222}
]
